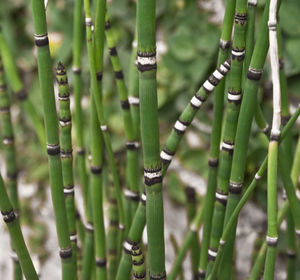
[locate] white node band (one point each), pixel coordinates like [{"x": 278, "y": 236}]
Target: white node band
[
  {"x": 218, "y": 75},
  {"x": 196, "y": 102},
  {"x": 143, "y": 197},
  {"x": 221, "y": 196},
  {"x": 212, "y": 253},
  {"x": 165, "y": 156},
  {"x": 146, "y": 60},
  {"x": 152, "y": 175},
  {"x": 180, "y": 126},
  {"x": 234, "y": 97},
  {"x": 227, "y": 146},
  {"x": 103, "y": 127},
  {"x": 238, "y": 53},
  {"x": 68, "y": 190},
  {"x": 133, "y": 100},
  {"x": 208, "y": 85}
]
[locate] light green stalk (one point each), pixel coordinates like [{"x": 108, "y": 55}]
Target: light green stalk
[
  {"x": 53, "y": 148},
  {"x": 139, "y": 268},
  {"x": 66, "y": 153}
]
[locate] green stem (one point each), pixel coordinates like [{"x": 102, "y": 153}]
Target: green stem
[{"x": 139, "y": 268}]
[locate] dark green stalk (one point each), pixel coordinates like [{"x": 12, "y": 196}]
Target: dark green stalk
[
  {"x": 66, "y": 153},
  {"x": 227, "y": 231},
  {"x": 191, "y": 213},
  {"x": 112, "y": 235},
  {"x": 190, "y": 111},
  {"x": 139, "y": 268},
  {"x": 132, "y": 164},
  {"x": 134, "y": 237},
  {"x": 174, "y": 244},
  {"x": 230, "y": 124},
  {"x": 97, "y": 195},
  {"x": 187, "y": 243},
  {"x": 10, "y": 156},
  {"x": 244, "y": 125},
  {"x": 78, "y": 116},
  {"x": 16, "y": 235},
  {"x": 150, "y": 137},
  {"x": 215, "y": 138},
  {"x": 96, "y": 92},
  {"x": 53, "y": 148},
  {"x": 18, "y": 88},
  {"x": 291, "y": 248}
]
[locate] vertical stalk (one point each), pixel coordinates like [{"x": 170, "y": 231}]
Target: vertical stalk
[
  {"x": 218, "y": 104},
  {"x": 132, "y": 165},
  {"x": 19, "y": 90},
  {"x": 77, "y": 87},
  {"x": 10, "y": 157},
  {"x": 230, "y": 123},
  {"x": 66, "y": 153},
  {"x": 16, "y": 235},
  {"x": 139, "y": 268},
  {"x": 53, "y": 147},
  {"x": 150, "y": 137},
  {"x": 97, "y": 195}
]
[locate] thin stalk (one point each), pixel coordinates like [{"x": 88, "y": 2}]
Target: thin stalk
[
  {"x": 19, "y": 90},
  {"x": 227, "y": 231},
  {"x": 244, "y": 125},
  {"x": 96, "y": 92},
  {"x": 112, "y": 234},
  {"x": 16, "y": 235},
  {"x": 191, "y": 213},
  {"x": 10, "y": 157},
  {"x": 230, "y": 123},
  {"x": 97, "y": 195},
  {"x": 150, "y": 137},
  {"x": 187, "y": 243},
  {"x": 77, "y": 88},
  {"x": 174, "y": 244},
  {"x": 291, "y": 248},
  {"x": 139, "y": 268},
  {"x": 218, "y": 104},
  {"x": 53, "y": 148},
  {"x": 132, "y": 164},
  {"x": 66, "y": 154}
]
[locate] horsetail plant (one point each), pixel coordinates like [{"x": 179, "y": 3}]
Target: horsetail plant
[
  {"x": 66, "y": 153},
  {"x": 10, "y": 158},
  {"x": 139, "y": 268},
  {"x": 53, "y": 147}
]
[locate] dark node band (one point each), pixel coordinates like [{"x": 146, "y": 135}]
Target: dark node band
[
  {"x": 190, "y": 194},
  {"x": 21, "y": 95},
  {"x": 195, "y": 276},
  {"x": 212, "y": 254},
  {"x": 274, "y": 137},
  {"x": 53, "y": 149},
  {"x": 140, "y": 275},
  {"x": 221, "y": 197},
  {"x": 12, "y": 176},
  {"x": 114, "y": 224},
  {"x": 228, "y": 147},
  {"x": 127, "y": 246},
  {"x": 41, "y": 40},
  {"x": 291, "y": 254},
  {"x": 152, "y": 176},
  {"x": 285, "y": 119},
  {"x": 132, "y": 145},
  {"x": 107, "y": 24},
  {"x": 65, "y": 253},
  {"x": 76, "y": 70},
  {"x": 112, "y": 252},
  {"x": 60, "y": 70},
  {"x": 138, "y": 263},
  {"x": 161, "y": 276},
  {"x": 224, "y": 45},
  {"x": 80, "y": 151},
  {"x": 201, "y": 98},
  {"x": 125, "y": 104},
  {"x": 119, "y": 75},
  {"x": 77, "y": 215},
  {"x": 96, "y": 169},
  {"x": 266, "y": 129},
  {"x": 213, "y": 162},
  {"x": 99, "y": 76},
  {"x": 4, "y": 110},
  {"x": 213, "y": 80},
  {"x": 8, "y": 140},
  {"x": 100, "y": 262},
  {"x": 254, "y": 74},
  {"x": 67, "y": 119},
  {"x": 8, "y": 216},
  {"x": 227, "y": 64},
  {"x": 201, "y": 274},
  {"x": 240, "y": 18},
  {"x": 148, "y": 67},
  {"x": 113, "y": 51},
  {"x": 238, "y": 54},
  {"x": 281, "y": 63},
  {"x": 235, "y": 188}
]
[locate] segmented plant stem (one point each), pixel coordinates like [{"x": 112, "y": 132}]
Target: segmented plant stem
[
  {"x": 77, "y": 88},
  {"x": 139, "y": 267},
  {"x": 10, "y": 157},
  {"x": 150, "y": 137},
  {"x": 53, "y": 147},
  {"x": 19, "y": 90},
  {"x": 230, "y": 123},
  {"x": 218, "y": 104},
  {"x": 66, "y": 153},
  {"x": 16, "y": 235},
  {"x": 132, "y": 165}
]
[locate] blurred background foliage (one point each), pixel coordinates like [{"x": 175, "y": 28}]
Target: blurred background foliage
[{"x": 187, "y": 44}]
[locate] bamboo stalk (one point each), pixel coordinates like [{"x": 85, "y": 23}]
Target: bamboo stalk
[
  {"x": 66, "y": 153},
  {"x": 10, "y": 157},
  {"x": 150, "y": 137},
  {"x": 19, "y": 90},
  {"x": 53, "y": 147},
  {"x": 16, "y": 235}
]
